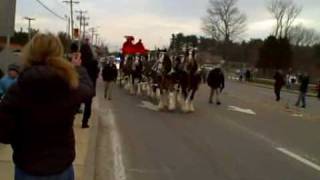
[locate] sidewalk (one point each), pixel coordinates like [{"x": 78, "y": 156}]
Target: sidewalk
[{"x": 84, "y": 163}]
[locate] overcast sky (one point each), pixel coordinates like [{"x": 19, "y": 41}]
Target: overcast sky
[{"x": 154, "y": 20}]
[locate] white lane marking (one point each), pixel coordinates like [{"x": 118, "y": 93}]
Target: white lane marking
[
  {"x": 299, "y": 158},
  {"x": 238, "y": 109},
  {"x": 148, "y": 105},
  {"x": 118, "y": 164}
]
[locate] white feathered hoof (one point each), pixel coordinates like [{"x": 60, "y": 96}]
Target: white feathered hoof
[
  {"x": 144, "y": 87},
  {"x": 166, "y": 100},
  {"x": 148, "y": 91},
  {"x": 191, "y": 107},
  {"x": 152, "y": 94},
  {"x": 180, "y": 100},
  {"x": 139, "y": 89},
  {"x": 132, "y": 90},
  {"x": 185, "y": 106},
  {"x": 158, "y": 94},
  {"x": 127, "y": 86},
  {"x": 161, "y": 105},
  {"x": 172, "y": 103}
]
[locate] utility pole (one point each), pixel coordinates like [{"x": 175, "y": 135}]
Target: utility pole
[
  {"x": 71, "y": 2},
  {"x": 85, "y": 23},
  {"x": 29, "y": 19},
  {"x": 80, "y": 19},
  {"x": 68, "y": 25},
  {"x": 93, "y": 31},
  {"x": 97, "y": 35}
]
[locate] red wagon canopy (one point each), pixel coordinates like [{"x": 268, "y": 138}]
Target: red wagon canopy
[{"x": 129, "y": 48}]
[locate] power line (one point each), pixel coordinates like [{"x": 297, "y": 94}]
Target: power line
[{"x": 51, "y": 11}]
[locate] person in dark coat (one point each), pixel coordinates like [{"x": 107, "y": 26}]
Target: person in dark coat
[
  {"x": 109, "y": 75},
  {"x": 278, "y": 84},
  {"x": 216, "y": 83},
  {"x": 304, "y": 85},
  {"x": 91, "y": 65},
  {"x": 37, "y": 113}
]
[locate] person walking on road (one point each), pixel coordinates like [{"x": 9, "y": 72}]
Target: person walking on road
[
  {"x": 7, "y": 81},
  {"x": 216, "y": 83},
  {"x": 304, "y": 85},
  {"x": 37, "y": 112},
  {"x": 278, "y": 84},
  {"x": 109, "y": 74},
  {"x": 91, "y": 65}
]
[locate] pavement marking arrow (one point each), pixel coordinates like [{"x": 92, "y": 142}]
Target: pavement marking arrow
[
  {"x": 148, "y": 105},
  {"x": 238, "y": 109}
]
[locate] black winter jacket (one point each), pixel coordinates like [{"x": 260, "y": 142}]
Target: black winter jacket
[
  {"x": 36, "y": 118},
  {"x": 109, "y": 72},
  {"x": 216, "y": 79}
]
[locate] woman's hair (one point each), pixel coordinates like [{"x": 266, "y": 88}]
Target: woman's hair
[{"x": 47, "y": 49}]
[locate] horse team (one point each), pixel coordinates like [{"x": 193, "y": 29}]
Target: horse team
[{"x": 172, "y": 80}]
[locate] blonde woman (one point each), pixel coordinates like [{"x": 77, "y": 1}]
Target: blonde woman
[{"x": 37, "y": 113}]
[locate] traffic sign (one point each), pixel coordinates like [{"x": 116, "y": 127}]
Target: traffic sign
[{"x": 7, "y": 17}]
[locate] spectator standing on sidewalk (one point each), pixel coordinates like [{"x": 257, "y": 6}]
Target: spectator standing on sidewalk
[
  {"x": 37, "y": 113},
  {"x": 7, "y": 81},
  {"x": 91, "y": 65},
  {"x": 109, "y": 74},
  {"x": 216, "y": 83},
  {"x": 278, "y": 84},
  {"x": 304, "y": 85}
]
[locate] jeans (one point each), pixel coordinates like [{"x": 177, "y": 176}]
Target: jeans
[
  {"x": 108, "y": 89},
  {"x": 68, "y": 174},
  {"x": 277, "y": 92},
  {"x": 302, "y": 98},
  {"x": 215, "y": 92}
]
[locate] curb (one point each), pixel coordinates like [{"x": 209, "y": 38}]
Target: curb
[{"x": 90, "y": 159}]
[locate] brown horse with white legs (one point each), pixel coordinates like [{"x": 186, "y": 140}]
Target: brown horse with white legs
[{"x": 190, "y": 80}]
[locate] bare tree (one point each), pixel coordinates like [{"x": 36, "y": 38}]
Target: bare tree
[
  {"x": 285, "y": 12},
  {"x": 302, "y": 36},
  {"x": 224, "y": 20}
]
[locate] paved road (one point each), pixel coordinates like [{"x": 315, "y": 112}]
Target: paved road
[{"x": 213, "y": 143}]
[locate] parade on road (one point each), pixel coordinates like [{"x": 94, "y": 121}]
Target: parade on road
[{"x": 142, "y": 94}]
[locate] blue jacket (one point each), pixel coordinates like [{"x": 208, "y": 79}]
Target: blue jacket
[{"x": 5, "y": 83}]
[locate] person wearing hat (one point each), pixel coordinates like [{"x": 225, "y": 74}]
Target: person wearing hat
[{"x": 9, "y": 79}]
